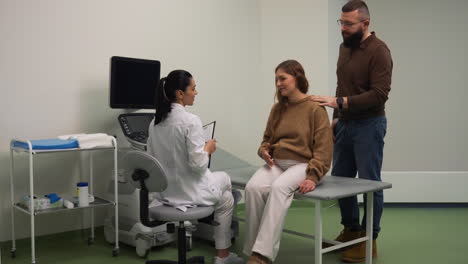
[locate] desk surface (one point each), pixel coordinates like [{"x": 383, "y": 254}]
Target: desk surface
[{"x": 331, "y": 187}]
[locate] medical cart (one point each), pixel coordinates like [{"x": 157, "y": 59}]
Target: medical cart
[{"x": 98, "y": 202}]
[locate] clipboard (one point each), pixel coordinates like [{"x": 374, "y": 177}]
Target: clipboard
[{"x": 208, "y": 133}]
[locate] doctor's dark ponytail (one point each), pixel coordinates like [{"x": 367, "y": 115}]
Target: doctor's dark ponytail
[{"x": 166, "y": 92}]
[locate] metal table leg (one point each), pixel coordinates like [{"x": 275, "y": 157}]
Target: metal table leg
[
  {"x": 115, "y": 251},
  {"x": 369, "y": 226},
  {"x": 31, "y": 211},
  {"x": 318, "y": 232},
  {"x": 91, "y": 186}
]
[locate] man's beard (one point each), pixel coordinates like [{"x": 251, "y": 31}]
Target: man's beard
[{"x": 353, "y": 41}]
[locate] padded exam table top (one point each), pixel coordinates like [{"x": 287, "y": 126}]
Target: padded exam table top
[{"x": 331, "y": 188}]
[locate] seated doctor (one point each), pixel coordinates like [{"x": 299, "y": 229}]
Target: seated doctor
[
  {"x": 297, "y": 148},
  {"x": 176, "y": 140}
]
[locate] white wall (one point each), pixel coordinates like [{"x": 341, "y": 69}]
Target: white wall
[
  {"x": 54, "y": 72},
  {"x": 295, "y": 31}
]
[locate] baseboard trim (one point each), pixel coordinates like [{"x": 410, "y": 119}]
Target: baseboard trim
[
  {"x": 426, "y": 205},
  {"x": 433, "y": 187}
]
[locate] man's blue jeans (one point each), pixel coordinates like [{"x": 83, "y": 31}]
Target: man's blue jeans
[{"x": 359, "y": 148}]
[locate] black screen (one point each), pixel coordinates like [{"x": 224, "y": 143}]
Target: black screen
[
  {"x": 139, "y": 123},
  {"x": 133, "y": 82}
]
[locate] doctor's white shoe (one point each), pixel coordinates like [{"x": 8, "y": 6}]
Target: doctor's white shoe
[{"x": 231, "y": 259}]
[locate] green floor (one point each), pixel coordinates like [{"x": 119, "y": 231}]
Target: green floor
[{"x": 409, "y": 235}]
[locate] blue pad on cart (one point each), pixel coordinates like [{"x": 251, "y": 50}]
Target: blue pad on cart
[{"x": 44, "y": 144}]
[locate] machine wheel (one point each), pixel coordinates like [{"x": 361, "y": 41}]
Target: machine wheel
[
  {"x": 115, "y": 252},
  {"x": 142, "y": 247},
  {"x": 13, "y": 253},
  {"x": 90, "y": 241}
]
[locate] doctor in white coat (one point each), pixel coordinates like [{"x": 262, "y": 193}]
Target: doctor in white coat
[{"x": 176, "y": 140}]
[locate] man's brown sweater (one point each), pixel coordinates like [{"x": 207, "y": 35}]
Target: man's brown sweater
[
  {"x": 364, "y": 76},
  {"x": 302, "y": 133}
]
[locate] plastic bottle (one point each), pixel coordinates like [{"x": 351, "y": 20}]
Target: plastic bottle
[{"x": 82, "y": 193}]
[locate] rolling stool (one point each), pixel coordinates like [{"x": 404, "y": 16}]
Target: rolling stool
[
  {"x": 146, "y": 173},
  {"x": 171, "y": 214}
]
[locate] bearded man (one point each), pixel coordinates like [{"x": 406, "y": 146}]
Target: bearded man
[{"x": 364, "y": 73}]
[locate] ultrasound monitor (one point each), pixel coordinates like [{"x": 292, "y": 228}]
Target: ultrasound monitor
[{"x": 133, "y": 82}]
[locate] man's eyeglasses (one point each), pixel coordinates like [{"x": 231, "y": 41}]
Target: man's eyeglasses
[{"x": 348, "y": 24}]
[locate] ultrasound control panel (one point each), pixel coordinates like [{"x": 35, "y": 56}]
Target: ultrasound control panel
[{"x": 135, "y": 126}]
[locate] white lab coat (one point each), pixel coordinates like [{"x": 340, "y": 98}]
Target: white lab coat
[{"x": 178, "y": 144}]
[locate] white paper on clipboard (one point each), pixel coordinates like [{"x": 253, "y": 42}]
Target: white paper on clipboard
[
  {"x": 208, "y": 130},
  {"x": 208, "y": 133}
]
